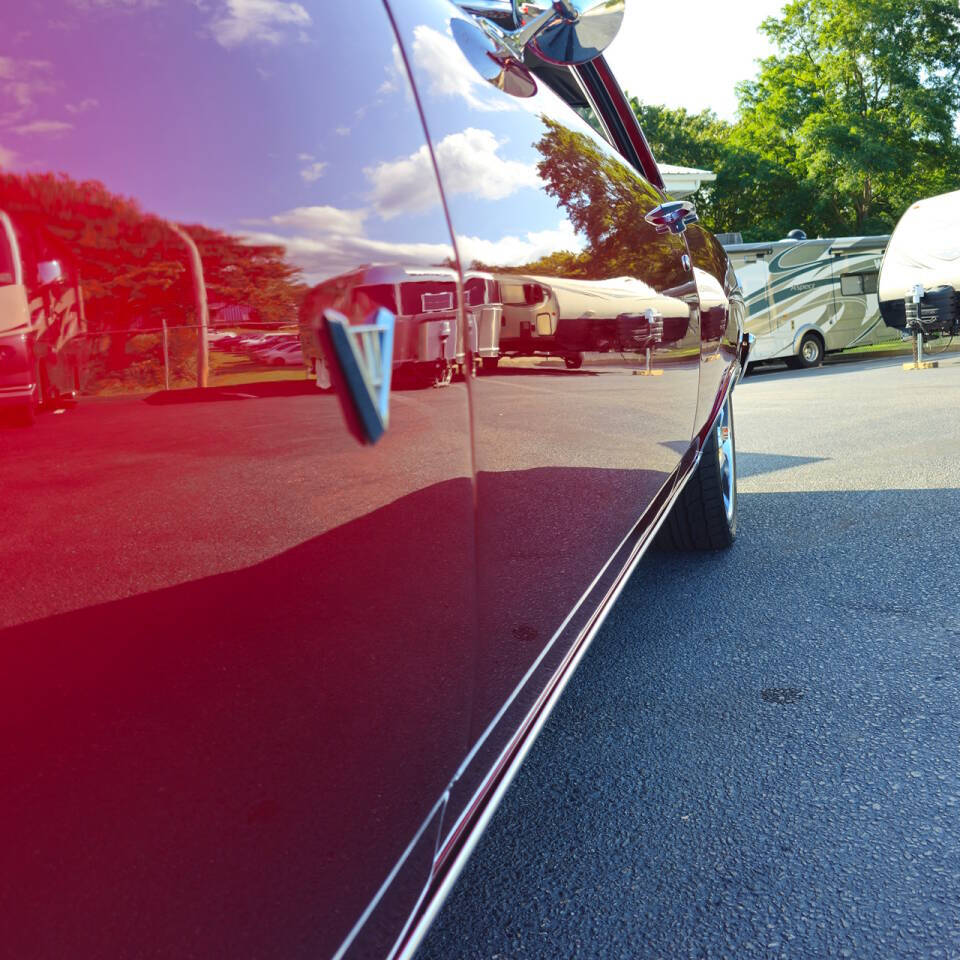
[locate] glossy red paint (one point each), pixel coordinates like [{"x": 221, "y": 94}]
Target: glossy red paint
[{"x": 259, "y": 682}]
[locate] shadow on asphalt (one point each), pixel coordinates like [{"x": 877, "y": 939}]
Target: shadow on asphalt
[
  {"x": 752, "y": 464},
  {"x": 680, "y": 804}
]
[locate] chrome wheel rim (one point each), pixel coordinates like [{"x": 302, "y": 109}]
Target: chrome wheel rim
[
  {"x": 725, "y": 461},
  {"x": 811, "y": 351}
]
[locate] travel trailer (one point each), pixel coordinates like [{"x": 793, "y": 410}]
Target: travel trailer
[
  {"x": 920, "y": 273},
  {"x": 807, "y": 298}
]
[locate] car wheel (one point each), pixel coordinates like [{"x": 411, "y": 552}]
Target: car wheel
[
  {"x": 810, "y": 353},
  {"x": 573, "y": 361},
  {"x": 490, "y": 364},
  {"x": 705, "y": 515}
]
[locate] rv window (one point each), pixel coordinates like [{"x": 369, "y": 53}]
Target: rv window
[
  {"x": 851, "y": 285},
  {"x": 857, "y": 284}
]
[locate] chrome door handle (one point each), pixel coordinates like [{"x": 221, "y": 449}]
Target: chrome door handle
[{"x": 674, "y": 216}]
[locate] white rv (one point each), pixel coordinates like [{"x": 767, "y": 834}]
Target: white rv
[
  {"x": 920, "y": 274},
  {"x": 807, "y": 298}
]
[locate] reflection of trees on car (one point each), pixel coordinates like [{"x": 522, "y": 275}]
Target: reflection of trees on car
[
  {"x": 567, "y": 303},
  {"x": 606, "y": 203},
  {"x": 136, "y": 274}
]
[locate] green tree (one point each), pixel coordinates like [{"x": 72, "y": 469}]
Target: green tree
[
  {"x": 754, "y": 195},
  {"x": 857, "y": 110}
]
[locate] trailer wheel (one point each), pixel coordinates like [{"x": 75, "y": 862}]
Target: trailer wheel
[
  {"x": 490, "y": 364},
  {"x": 811, "y": 351},
  {"x": 705, "y": 515},
  {"x": 573, "y": 361}
]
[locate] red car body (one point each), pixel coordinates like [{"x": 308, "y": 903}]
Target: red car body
[{"x": 262, "y": 684}]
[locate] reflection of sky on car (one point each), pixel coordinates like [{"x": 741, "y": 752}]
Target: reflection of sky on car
[
  {"x": 296, "y": 177},
  {"x": 298, "y": 181}
]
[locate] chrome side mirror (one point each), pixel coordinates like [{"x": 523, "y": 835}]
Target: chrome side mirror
[{"x": 565, "y": 32}]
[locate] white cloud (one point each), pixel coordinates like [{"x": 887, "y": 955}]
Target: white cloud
[
  {"x": 325, "y": 241},
  {"x": 450, "y": 74},
  {"x": 322, "y": 221},
  {"x": 469, "y": 163},
  {"x": 21, "y": 81},
  {"x": 88, "y": 103},
  {"x": 264, "y": 21},
  {"x": 513, "y": 251},
  {"x": 342, "y": 131},
  {"x": 7, "y": 157},
  {"x": 43, "y": 127},
  {"x": 314, "y": 171},
  {"x": 116, "y": 4},
  {"x": 320, "y": 258}
]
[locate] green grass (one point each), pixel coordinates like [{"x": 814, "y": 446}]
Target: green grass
[{"x": 896, "y": 347}]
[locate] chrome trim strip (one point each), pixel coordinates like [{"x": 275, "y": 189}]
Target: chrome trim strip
[
  {"x": 378, "y": 896},
  {"x": 566, "y": 672}
]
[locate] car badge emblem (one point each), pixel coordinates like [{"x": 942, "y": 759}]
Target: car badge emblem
[{"x": 361, "y": 373}]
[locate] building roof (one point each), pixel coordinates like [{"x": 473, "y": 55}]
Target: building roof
[{"x": 682, "y": 181}]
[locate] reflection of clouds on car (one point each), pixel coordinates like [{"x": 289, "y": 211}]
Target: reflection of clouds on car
[
  {"x": 450, "y": 75},
  {"x": 469, "y": 162}
]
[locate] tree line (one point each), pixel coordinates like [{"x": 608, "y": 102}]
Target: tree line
[{"x": 849, "y": 122}]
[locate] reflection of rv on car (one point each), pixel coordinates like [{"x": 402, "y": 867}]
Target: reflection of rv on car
[
  {"x": 550, "y": 316},
  {"x": 807, "y": 298},
  {"x": 920, "y": 274},
  {"x": 427, "y": 343},
  {"x": 41, "y": 311}
]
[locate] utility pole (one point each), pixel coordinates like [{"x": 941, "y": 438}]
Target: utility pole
[{"x": 200, "y": 305}]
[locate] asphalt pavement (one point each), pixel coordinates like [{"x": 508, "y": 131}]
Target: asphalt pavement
[{"x": 760, "y": 754}]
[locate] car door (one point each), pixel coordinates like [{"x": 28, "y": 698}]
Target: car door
[
  {"x": 237, "y": 644},
  {"x": 579, "y": 430}
]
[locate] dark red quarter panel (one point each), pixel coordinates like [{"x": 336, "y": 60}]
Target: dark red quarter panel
[
  {"x": 722, "y": 320},
  {"x": 235, "y": 645},
  {"x": 586, "y": 416}
]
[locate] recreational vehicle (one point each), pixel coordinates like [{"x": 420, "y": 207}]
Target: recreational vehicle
[
  {"x": 550, "y": 316},
  {"x": 920, "y": 273},
  {"x": 41, "y": 312},
  {"x": 807, "y": 298},
  {"x": 429, "y": 344}
]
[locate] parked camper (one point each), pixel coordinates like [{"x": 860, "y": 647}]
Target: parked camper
[
  {"x": 41, "y": 312},
  {"x": 428, "y": 345},
  {"x": 549, "y": 316},
  {"x": 920, "y": 273},
  {"x": 807, "y": 298}
]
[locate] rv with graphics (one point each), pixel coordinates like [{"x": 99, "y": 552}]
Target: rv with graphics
[
  {"x": 41, "y": 314},
  {"x": 808, "y": 298}
]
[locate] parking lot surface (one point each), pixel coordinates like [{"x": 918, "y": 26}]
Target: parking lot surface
[{"x": 758, "y": 756}]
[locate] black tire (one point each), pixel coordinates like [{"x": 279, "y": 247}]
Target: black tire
[
  {"x": 573, "y": 361},
  {"x": 811, "y": 351},
  {"x": 490, "y": 364},
  {"x": 704, "y": 517}
]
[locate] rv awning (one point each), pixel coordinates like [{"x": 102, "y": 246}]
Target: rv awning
[{"x": 682, "y": 181}]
